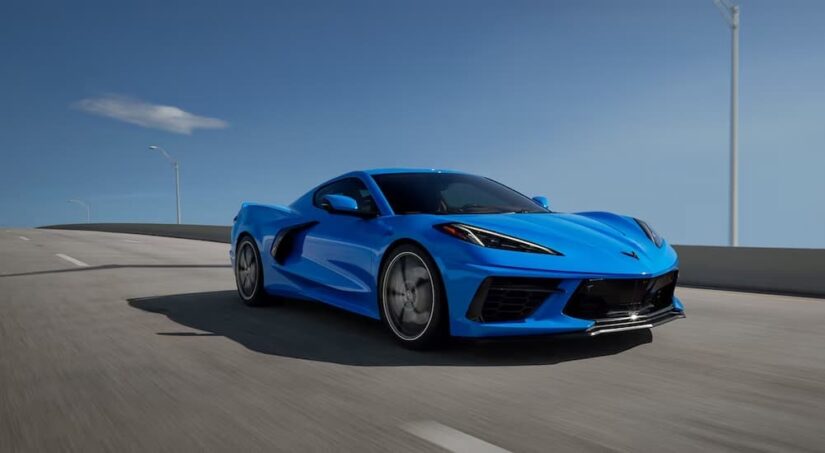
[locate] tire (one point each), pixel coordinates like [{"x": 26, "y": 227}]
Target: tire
[
  {"x": 249, "y": 276},
  {"x": 411, "y": 298}
]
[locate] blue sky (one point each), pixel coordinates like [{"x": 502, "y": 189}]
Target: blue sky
[{"x": 600, "y": 105}]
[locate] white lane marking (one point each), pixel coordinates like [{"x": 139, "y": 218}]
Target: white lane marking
[
  {"x": 24, "y": 238},
  {"x": 74, "y": 261},
  {"x": 449, "y": 438},
  {"x": 132, "y": 241}
]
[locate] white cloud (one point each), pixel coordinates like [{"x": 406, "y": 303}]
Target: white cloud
[{"x": 135, "y": 111}]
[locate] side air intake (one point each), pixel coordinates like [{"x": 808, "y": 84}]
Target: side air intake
[
  {"x": 501, "y": 299},
  {"x": 284, "y": 241}
]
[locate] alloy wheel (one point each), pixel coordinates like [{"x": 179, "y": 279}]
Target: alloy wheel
[{"x": 409, "y": 296}]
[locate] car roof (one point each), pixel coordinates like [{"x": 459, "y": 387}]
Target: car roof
[{"x": 384, "y": 171}]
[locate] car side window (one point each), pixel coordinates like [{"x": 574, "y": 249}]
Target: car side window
[{"x": 350, "y": 187}]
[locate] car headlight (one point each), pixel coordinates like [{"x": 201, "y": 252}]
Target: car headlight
[
  {"x": 650, "y": 232},
  {"x": 491, "y": 239}
]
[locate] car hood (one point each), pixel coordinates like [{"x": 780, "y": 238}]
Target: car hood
[{"x": 602, "y": 240}]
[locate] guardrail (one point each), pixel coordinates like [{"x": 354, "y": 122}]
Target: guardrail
[{"x": 773, "y": 270}]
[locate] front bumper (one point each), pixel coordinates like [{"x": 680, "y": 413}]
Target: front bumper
[{"x": 462, "y": 282}]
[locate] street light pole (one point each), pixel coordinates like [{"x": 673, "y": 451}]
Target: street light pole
[
  {"x": 176, "y": 166},
  {"x": 730, "y": 12},
  {"x": 85, "y": 205},
  {"x": 177, "y": 190}
]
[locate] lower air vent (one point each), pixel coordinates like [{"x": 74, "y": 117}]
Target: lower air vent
[
  {"x": 500, "y": 299},
  {"x": 612, "y": 298}
]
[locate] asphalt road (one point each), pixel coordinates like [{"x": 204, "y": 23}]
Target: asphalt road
[{"x": 133, "y": 343}]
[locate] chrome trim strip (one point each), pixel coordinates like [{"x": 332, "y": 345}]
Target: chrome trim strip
[
  {"x": 639, "y": 317},
  {"x": 621, "y": 329},
  {"x": 649, "y": 323}
]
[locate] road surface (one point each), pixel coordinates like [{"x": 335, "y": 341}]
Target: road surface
[{"x": 138, "y": 343}]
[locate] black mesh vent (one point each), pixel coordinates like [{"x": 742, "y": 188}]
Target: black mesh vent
[
  {"x": 612, "y": 298},
  {"x": 501, "y": 299}
]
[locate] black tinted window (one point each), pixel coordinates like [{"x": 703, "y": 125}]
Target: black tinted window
[
  {"x": 450, "y": 193},
  {"x": 351, "y": 187}
]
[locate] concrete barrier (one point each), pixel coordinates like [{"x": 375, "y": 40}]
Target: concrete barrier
[
  {"x": 212, "y": 233},
  {"x": 773, "y": 270}
]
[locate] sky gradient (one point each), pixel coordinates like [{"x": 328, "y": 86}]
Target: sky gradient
[{"x": 599, "y": 105}]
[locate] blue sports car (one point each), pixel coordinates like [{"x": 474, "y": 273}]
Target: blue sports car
[{"x": 435, "y": 253}]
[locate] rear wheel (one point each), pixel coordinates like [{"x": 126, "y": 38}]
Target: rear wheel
[
  {"x": 249, "y": 273},
  {"x": 411, "y": 296}
]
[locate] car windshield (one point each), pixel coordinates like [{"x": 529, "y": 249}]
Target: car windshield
[{"x": 451, "y": 193}]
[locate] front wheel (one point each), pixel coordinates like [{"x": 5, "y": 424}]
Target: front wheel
[
  {"x": 413, "y": 306},
  {"x": 249, "y": 273}
]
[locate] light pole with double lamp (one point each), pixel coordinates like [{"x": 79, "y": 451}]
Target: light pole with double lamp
[
  {"x": 86, "y": 206},
  {"x": 176, "y": 166}
]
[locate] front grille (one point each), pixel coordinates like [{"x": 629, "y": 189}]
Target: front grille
[
  {"x": 612, "y": 298},
  {"x": 501, "y": 299}
]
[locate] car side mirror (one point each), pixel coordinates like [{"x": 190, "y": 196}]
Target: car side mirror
[
  {"x": 542, "y": 201},
  {"x": 340, "y": 204}
]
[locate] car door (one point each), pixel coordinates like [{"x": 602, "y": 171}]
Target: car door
[{"x": 341, "y": 252}]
